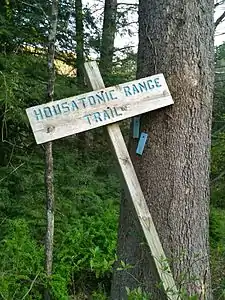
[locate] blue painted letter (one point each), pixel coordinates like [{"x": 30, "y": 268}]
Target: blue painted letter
[
  {"x": 47, "y": 111},
  {"x": 83, "y": 102},
  {"x": 150, "y": 85},
  {"x": 65, "y": 107},
  {"x": 97, "y": 117},
  {"x": 91, "y": 100},
  {"x": 106, "y": 115},
  {"x": 143, "y": 87},
  {"x": 116, "y": 112},
  {"x": 113, "y": 97},
  {"x": 127, "y": 91},
  {"x": 87, "y": 117},
  {"x": 135, "y": 89},
  {"x": 157, "y": 82},
  {"x": 57, "y": 110},
  {"x": 38, "y": 114},
  {"x": 100, "y": 97},
  {"x": 74, "y": 106}
]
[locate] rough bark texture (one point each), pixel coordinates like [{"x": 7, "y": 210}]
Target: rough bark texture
[
  {"x": 79, "y": 42},
  {"x": 48, "y": 151},
  {"x": 108, "y": 37},
  {"x": 84, "y": 138},
  {"x": 50, "y": 208},
  {"x": 176, "y": 38}
]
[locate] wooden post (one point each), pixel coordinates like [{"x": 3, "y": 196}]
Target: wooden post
[{"x": 95, "y": 80}]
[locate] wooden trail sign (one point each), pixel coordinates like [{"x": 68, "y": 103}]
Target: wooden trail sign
[
  {"x": 48, "y": 125},
  {"x": 72, "y": 115},
  {"x": 133, "y": 186}
]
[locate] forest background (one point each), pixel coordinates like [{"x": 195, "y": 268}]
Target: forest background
[{"x": 87, "y": 188}]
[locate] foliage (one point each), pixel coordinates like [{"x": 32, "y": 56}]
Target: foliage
[
  {"x": 87, "y": 197},
  {"x": 23, "y": 84},
  {"x": 217, "y": 170},
  {"x": 217, "y": 241},
  {"x": 137, "y": 294},
  {"x": 218, "y": 133},
  {"x": 85, "y": 221},
  {"x": 217, "y": 220},
  {"x": 21, "y": 262}
]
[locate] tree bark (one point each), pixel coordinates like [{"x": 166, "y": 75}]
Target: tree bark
[
  {"x": 79, "y": 42},
  {"x": 176, "y": 39},
  {"x": 108, "y": 37},
  {"x": 83, "y": 137},
  {"x": 48, "y": 151}
]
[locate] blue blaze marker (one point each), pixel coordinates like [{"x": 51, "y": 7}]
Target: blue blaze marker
[
  {"x": 141, "y": 143},
  {"x": 136, "y": 127}
]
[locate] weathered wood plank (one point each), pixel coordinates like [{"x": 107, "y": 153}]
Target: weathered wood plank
[
  {"x": 80, "y": 113},
  {"x": 133, "y": 186}
]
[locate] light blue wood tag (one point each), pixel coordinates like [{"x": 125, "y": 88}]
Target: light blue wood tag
[
  {"x": 136, "y": 127},
  {"x": 141, "y": 143}
]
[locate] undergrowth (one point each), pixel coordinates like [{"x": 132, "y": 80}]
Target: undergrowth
[
  {"x": 85, "y": 226},
  {"x": 87, "y": 193}
]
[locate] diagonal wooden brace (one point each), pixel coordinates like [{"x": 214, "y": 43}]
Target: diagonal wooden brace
[{"x": 95, "y": 80}]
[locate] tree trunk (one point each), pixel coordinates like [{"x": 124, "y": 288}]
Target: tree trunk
[
  {"x": 48, "y": 151},
  {"x": 108, "y": 37},
  {"x": 176, "y": 39},
  {"x": 79, "y": 42},
  {"x": 83, "y": 137}
]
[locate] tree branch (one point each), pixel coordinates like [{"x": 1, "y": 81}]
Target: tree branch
[
  {"x": 218, "y": 131},
  {"x": 217, "y": 178},
  {"x": 49, "y": 186},
  {"x": 127, "y": 4},
  {"x": 218, "y": 3},
  {"x": 220, "y": 19},
  {"x": 31, "y": 286},
  {"x": 123, "y": 49},
  {"x": 37, "y": 7},
  {"x": 220, "y": 34},
  {"x": 129, "y": 23}
]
